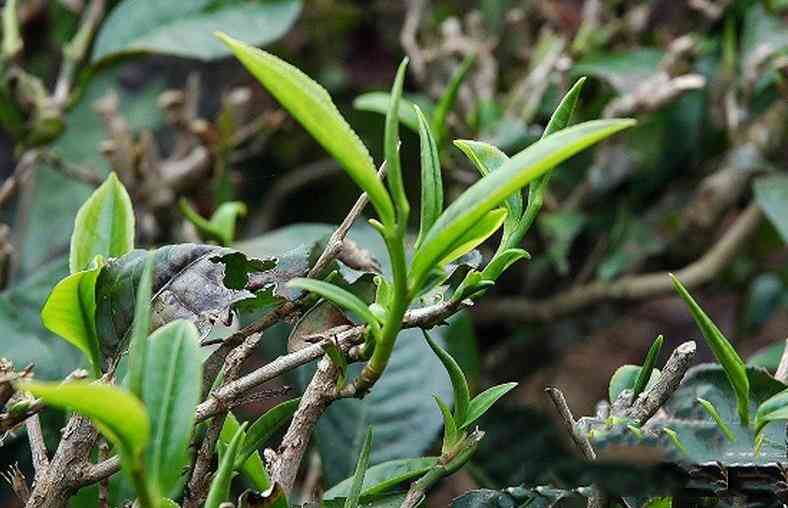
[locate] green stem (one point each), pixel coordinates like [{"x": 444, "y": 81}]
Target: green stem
[
  {"x": 145, "y": 497},
  {"x": 399, "y": 305}
]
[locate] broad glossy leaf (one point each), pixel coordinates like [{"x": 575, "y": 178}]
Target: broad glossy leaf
[
  {"x": 311, "y": 105},
  {"x": 185, "y": 28},
  {"x": 773, "y": 409},
  {"x": 771, "y": 194},
  {"x": 120, "y": 416},
  {"x": 70, "y": 312},
  {"x": 378, "y": 102},
  {"x": 515, "y": 497},
  {"x": 449, "y": 97},
  {"x": 431, "y": 179},
  {"x": 384, "y": 477},
  {"x": 492, "y": 189},
  {"x": 140, "y": 328},
  {"x": 104, "y": 225},
  {"x": 625, "y": 377},
  {"x": 644, "y": 376},
  {"x": 171, "y": 389},
  {"x": 357, "y": 483},
  {"x": 482, "y": 402},
  {"x": 337, "y": 295},
  {"x": 263, "y": 429},
  {"x": 200, "y": 283},
  {"x": 476, "y": 235},
  {"x": 462, "y": 397},
  {"x": 253, "y": 467},
  {"x": 220, "y": 485},
  {"x": 723, "y": 351}
]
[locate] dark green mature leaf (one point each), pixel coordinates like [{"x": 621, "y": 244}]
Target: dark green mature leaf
[
  {"x": 220, "y": 485},
  {"x": 462, "y": 396},
  {"x": 494, "y": 188},
  {"x": 384, "y": 477},
  {"x": 120, "y": 416},
  {"x": 623, "y": 70},
  {"x": 723, "y": 351},
  {"x": 70, "y": 312},
  {"x": 378, "y": 102},
  {"x": 140, "y": 328},
  {"x": 625, "y": 377},
  {"x": 773, "y": 409},
  {"x": 171, "y": 390},
  {"x": 311, "y": 105},
  {"x": 104, "y": 225},
  {"x": 185, "y": 28},
  {"x": 515, "y": 497},
  {"x": 431, "y": 179},
  {"x": 199, "y": 283},
  {"x": 771, "y": 194},
  {"x": 385, "y": 501},
  {"x": 357, "y": 483},
  {"x": 701, "y": 435}
]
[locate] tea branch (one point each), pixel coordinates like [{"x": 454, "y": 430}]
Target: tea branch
[
  {"x": 38, "y": 448},
  {"x": 706, "y": 268}
]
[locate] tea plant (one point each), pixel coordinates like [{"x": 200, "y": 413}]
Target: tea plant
[{"x": 140, "y": 318}]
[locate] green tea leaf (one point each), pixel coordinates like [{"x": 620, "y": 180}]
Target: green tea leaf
[
  {"x": 261, "y": 431},
  {"x": 70, "y": 311},
  {"x": 431, "y": 179},
  {"x": 361, "y": 470},
  {"x": 378, "y": 102},
  {"x": 492, "y": 189},
  {"x": 502, "y": 261},
  {"x": 449, "y": 97},
  {"x": 120, "y": 416},
  {"x": 220, "y": 485},
  {"x": 253, "y": 467},
  {"x": 104, "y": 225},
  {"x": 311, "y": 105},
  {"x": 391, "y": 148},
  {"x": 730, "y": 360},
  {"x": 171, "y": 390},
  {"x": 625, "y": 377},
  {"x": 773, "y": 409},
  {"x": 482, "y": 402},
  {"x": 459, "y": 384},
  {"x": 337, "y": 295},
  {"x": 221, "y": 227},
  {"x": 488, "y": 158},
  {"x": 476, "y": 235},
  {"x": 140, "y": 327},
  {"x": 715, "y": 415},
  {"x": 644, "y": 376},
  {"x": 184, "y": 28},
  {"x": 383, "y": 477},
  {"x": 566, "y": 108},
  {"x": 450, "y": 431}
]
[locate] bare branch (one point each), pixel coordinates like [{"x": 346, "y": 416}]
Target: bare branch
[
  {"x": 519, "y": 310},
  {"x": 38, "y": 448}
]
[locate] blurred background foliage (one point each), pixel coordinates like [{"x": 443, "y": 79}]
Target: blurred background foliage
[{"x": 700, "y": 184}]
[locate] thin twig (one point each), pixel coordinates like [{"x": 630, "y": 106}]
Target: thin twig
[
  {"x": 706, "y": 268},
  {"x": 597, "y": 499},
  {"x": 103, "y": 488},
  {"x": 649, "y": 402},
  {"x": 38, "y": 448},
  {"x": 21, "y": 172}
]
